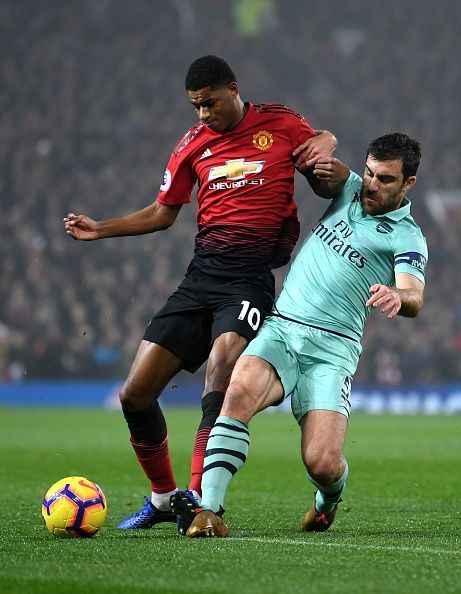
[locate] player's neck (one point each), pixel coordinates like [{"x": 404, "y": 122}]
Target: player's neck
[{"x": 241, "y": 113}]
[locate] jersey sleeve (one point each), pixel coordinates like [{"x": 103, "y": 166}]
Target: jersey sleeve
[
  {"x": 178, "y": 180},
  {"x": 410, "y": 254},
  {"x": 302, "y": 130},
  {"x": 350, "y": 191}
]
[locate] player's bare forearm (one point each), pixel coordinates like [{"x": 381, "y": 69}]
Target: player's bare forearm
[
  {"x": 136, "y": 223},
  {"x": 396, "y": 301},
  {"x": 412, "y": 302},
  {"x": 154, "y": 217}
]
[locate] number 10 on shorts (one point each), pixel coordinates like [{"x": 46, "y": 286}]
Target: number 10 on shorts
[{"x": 252, "y": 315}]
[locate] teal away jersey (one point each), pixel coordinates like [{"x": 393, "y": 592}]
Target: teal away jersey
[{"x": 347, "y": 252}]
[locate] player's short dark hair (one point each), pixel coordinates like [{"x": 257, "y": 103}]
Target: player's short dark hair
[
  {"x": 209, "y": 71},
  {"x": 397, "y": 146}
]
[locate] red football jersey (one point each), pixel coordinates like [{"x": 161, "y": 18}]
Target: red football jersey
[{"x": 246, "y": 213}]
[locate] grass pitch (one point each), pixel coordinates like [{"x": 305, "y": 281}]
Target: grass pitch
[{"x": 398, "y": 529}]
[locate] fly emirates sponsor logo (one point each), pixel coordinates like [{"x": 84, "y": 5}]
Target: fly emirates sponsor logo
[
  {"x": 337, "y": 239},
  {"x": 236, "y": 173}
]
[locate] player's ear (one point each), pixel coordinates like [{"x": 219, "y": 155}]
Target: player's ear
[
  {"x": 234, "y": 89},
  {"x": 409, "y": 182}
]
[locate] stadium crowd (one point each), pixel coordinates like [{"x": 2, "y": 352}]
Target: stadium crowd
[{"x": 91, "y": 104}]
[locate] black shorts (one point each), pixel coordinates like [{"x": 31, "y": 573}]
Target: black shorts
[{"x": 204, "y": 307}]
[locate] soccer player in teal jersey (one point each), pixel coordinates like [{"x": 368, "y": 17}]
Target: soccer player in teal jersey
[{"x": 365, "y": 252}]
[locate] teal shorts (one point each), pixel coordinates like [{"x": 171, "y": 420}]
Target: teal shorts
[{"x": 315, "y": 366}]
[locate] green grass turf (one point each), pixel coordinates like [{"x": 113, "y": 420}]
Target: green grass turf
[{"x": 398, "y": 529}]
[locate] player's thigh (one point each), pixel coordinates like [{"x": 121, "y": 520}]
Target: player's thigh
[
  {"x": 272, "y": 344},
  {"x": 152, "y": 369},
  {"x": 225, "y": 351},
  {"x": 254, "y": 386}
]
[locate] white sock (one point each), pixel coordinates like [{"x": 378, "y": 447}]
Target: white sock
[{"x": 161, "y": 500}]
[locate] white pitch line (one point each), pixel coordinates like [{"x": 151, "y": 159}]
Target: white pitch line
[{"x": 405, "y": 549}]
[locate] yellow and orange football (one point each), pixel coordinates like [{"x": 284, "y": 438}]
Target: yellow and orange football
[{"x": 74, "y": 507}]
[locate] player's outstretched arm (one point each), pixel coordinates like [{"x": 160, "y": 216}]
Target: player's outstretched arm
[
  {"x": 154, "y": 217},
  {"x": 405, "y": 299}
]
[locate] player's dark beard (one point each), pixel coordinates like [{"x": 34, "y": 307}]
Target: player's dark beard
[{"x": 391, "y": 203}]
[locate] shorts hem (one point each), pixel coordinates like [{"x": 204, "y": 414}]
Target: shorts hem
[
  {"x": 274, "y": 367},
  {"x": 189, "y": 366},
  {"x": 339, "y": 409}
]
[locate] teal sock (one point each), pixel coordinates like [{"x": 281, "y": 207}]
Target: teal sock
[
  {"x": 226, "y": 452},
  {"x": 327, "y": 496}
]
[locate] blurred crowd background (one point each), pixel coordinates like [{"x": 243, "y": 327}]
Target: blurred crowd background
[{"x": 92, "y": 102}]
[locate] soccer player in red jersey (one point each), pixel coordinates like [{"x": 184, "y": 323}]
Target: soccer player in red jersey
[{"x": 243, "y": 158}]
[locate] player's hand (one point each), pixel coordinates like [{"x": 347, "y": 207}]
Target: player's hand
[
  {"x": 309, "y": 152},
  {"x": 80, "y": 227},
  {"x": 331, "y": 169},
  {"x": 388, "y": 299}
]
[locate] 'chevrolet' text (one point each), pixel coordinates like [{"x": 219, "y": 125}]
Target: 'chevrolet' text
[
  {"x": 228, "y": 185},
  {"x": 336, "y": 238}
]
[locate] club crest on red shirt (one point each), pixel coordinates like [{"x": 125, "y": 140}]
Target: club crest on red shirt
[{"x": 263, "y": 140}]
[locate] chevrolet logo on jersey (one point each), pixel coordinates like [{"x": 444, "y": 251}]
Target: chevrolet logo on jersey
[{"x": 235, "y": 169}]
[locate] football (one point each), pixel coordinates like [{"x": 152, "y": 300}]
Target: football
[{"x": 74, "y": 507}]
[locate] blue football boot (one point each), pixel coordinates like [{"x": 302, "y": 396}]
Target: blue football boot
[
  {"x": 183, "y": 504},
  {"x": 146, "y": 517}
]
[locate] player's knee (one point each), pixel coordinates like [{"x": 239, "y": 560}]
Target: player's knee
[
  {"x": 133, "y": 398},
  {"x": 239, "y": 401},
  {"x": 235, "y": 393},
  {"x": 323, "y": 466}
]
